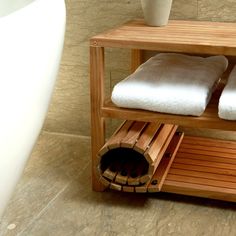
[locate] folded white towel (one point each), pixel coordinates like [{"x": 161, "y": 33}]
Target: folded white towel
[
  {"x": 227, "y": 103},
  {"x": 171, "y": 83}
]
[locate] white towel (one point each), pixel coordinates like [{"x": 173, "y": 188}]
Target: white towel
[
  {"x": 227, "y": 103},
  {"x": 171, "y": 83}
]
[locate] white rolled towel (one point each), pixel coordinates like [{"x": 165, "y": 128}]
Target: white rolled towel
[
  {"x": 171, "y": 83},
  {"x": 227, "y": 102}
]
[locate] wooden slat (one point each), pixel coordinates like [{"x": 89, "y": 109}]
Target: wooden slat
[
  {"x": 165, "y": 164},
  {"x": 155, "y": 183},
  {"x": 177, "y": 36},
  {"x": 155, "y": 148},
  {"x": 115, "y": 186},
  {"x": 105, "y": 148},
  {"x": 104, "y": 181},
  {"x": 142, "y": 188},
  {"x": 122, "y": 176},
  {"x": 205, "y": 163},
  {"x": 109, "y": 174},
  {"x": 114, "y": 141},
  {"x": 203, "y": 168},
  {"x": 209, "y": 142},
  {"x": 206, "y": 176},
  {"x": 120, "y": 179},
  {"x": 158, "y": 178},
  {"x": 163, "y": 149},
  {"x": 132, "y": 135},
  {"x": 214, "y": 150},
  {"x": 192, "y": 189},
  {"x": 128, "y": 189},
  {"x": 147, "y": 136},
  {"x": 207, "y": 158},
  {"x": 202, "y": 181},
  {"x": 133, "y": 181},
  {"x": 145, "y": 178},
  {"x": 205, "y": 152}
]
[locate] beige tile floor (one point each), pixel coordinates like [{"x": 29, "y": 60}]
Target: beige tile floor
[{"x": 54, "y": 197}]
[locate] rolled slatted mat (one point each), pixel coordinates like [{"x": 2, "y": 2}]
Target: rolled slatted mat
[{"x": 129, "y": 159}]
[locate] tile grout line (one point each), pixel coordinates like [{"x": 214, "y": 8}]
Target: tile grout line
[{"x": 66, "y": 134}]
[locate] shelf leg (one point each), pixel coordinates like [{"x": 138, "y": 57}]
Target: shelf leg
[
  {"x": 97, "y": 100},
  {"x": 136, "y": 59}
]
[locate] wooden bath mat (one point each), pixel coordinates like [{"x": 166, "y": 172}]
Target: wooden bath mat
[{"x": 138, "y": 156}]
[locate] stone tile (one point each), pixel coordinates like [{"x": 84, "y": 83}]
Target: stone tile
[
  {"x": 75, "y": 54},
  {"x": 54, "y": 197},
  {"x": 184, "y": 9},
  {"x": 70, "y": 105},
  {"x": 55, "y": 162},
  {"x": 69, "y": 111},
  {"x": 79, "y": 211},
  {"x": 216, "y": 10},
  {"x": 88, "y": 18}
]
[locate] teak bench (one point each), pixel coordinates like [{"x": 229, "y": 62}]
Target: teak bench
[{"x": 202, "y": 166}]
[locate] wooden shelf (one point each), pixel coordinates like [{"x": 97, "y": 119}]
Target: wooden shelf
[
  {"x": 177, "y": 36},
  {"x": 204, "y": 167},
  {"x": 209, "y": 119}
]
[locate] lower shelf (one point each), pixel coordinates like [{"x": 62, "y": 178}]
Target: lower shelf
[
  {"x": 191, "y": 165},
  {"x": 203, "y": 167}
]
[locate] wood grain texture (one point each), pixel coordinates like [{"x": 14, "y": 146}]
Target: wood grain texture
[
  {"x": 159, "y": 142},
  {"x": 147, "y": 136},
  {"x": 209, "y": 119},
  {"x": 114, "y": 140},
  {"x": 155, "y": 183},
  {"x": 163, "y": 168},
  {"x": 177, "y": 36},
  {"x": 97, "y": 99},
  {"x": 137, "y": 58},
  {"x": 132, "y": 136},
  {"x": 203, "y": 173},
  {"x": 120, "y": 163},
  {"x": 186, "y": 36}
]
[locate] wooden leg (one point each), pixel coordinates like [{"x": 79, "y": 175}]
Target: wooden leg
[
  {"x": 136, "y": 59},
  {"x": 97, "y": 100}
]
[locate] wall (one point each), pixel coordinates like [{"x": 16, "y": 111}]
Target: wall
[{"x": 69, "y": 111}]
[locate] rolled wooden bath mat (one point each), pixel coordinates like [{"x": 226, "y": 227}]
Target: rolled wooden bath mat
[{"x": 137, "y": 156}]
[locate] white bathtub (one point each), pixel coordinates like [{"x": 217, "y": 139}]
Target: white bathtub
[{"x": 31, "y": 42}]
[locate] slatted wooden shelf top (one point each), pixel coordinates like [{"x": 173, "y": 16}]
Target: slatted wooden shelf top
[{"x": 195, "y": 37}]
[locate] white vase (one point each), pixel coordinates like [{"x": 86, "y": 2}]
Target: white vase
[{"x": 156, "y": 12}]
